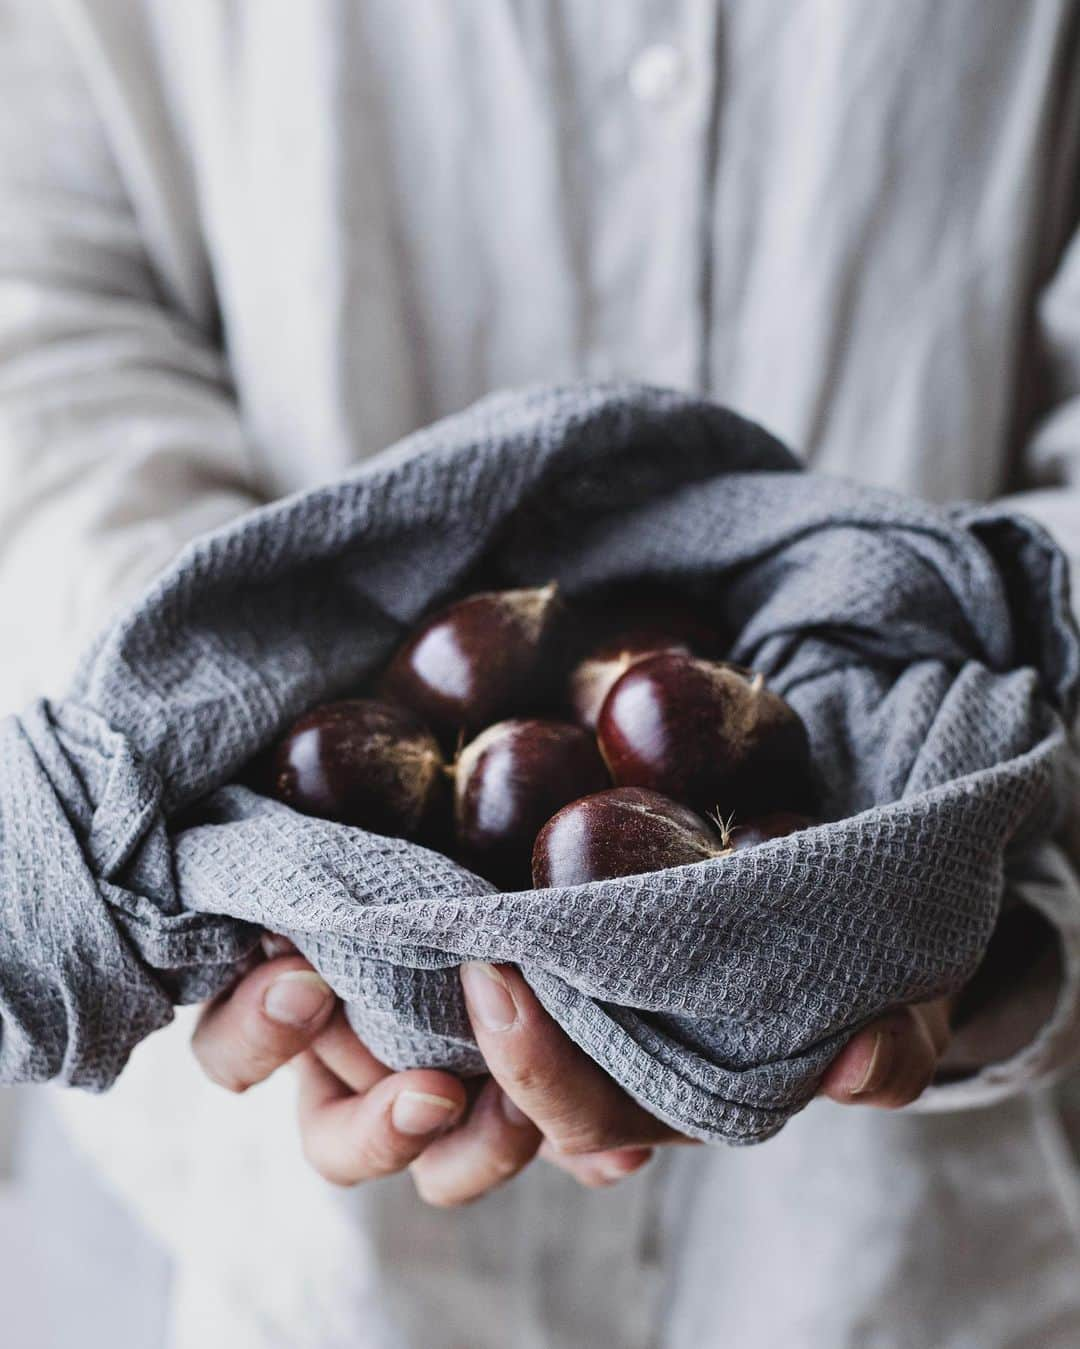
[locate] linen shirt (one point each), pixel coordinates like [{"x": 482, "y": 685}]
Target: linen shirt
[{"x": 245, "y": 244}]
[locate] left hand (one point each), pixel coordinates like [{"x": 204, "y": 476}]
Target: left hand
[{"x": 592, "y": 1129}]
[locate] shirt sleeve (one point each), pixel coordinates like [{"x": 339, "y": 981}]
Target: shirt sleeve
[
  {"x": 1025, "y": 1030},
  {"x": 120, "y": 435}
]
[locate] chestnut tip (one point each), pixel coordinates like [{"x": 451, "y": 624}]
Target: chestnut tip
[
  {"x": 480, "y": 659},
  {"x": 361, "y": 762},
  {"x": 510, "y": 779},
  {"x": 623, "y": 831},
  {"x": 709, "y": 733}
]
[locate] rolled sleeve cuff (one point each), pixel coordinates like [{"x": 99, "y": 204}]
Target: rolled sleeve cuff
[{"x": 1049, "y": 883}]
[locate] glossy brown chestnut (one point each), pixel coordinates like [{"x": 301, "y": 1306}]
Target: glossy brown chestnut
[
  {"x": 592, "y": 677},
  {"x": 511, "y": 779},
  {"x": 763, "y": 829},
  {"x": 363, "y": 763},
  {"x": 621, "y": 832},
  {"x": 617, "y": 630},
  {"x": 705, "y": 733},
  {"x": 484, "y": 658}
]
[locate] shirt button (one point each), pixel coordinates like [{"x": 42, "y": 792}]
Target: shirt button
[{"x": 656, "y": 72}]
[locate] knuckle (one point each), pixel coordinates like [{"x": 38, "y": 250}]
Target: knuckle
[
  {"x": 579, "y": 1138},
  {"x": 380, "y": 1156},
  {"x": 261, "y": 1043},
  {"x": 260, "y": 1049},
  {"x": 500, "y": 1164},
  {"x": 529, "y": 1079},
  {"x": 504, "y": 1166}
]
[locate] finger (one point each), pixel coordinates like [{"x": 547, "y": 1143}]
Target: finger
[
  {"x": 349, "y": 1138},
  {"x": 495, "y": 1142},
  {"x": 266, "y": 1020},
  {"x": 937, "y": 1017},
  {"x": 888, "y": 1065},
  {"x": 274, "y": 945},
  {"x": 573, "y": 1102},
  {"x": 348, "y": 1058},
  {"x": 598, "y": 1170}
]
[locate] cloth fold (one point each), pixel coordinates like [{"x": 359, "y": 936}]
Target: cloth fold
[{"x": 930, "y": 653}]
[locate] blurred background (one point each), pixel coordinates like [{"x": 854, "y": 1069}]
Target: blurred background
[
  {"x": 20, "y": 1280},
  {"x": 12, "y": 1261}
]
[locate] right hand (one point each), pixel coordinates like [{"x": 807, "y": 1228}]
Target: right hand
[{"x": 358, "y": 1119}]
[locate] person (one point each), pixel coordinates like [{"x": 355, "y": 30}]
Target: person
[{"x": 246, "y": 245}]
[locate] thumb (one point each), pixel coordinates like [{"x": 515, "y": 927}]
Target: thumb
[
  {"x": 267, "y": 1019},
  {"x": 891, "y": 1062}
]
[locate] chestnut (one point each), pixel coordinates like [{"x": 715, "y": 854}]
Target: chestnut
[
  {"x": 763, "y": 829},
  {"x": 479, "y": 660},
  {"x": 592, "y": 677},
  {"x": 363, "y": 763},
  {"x": 630, "y": 630},
  {"x": 621, "y": 832},
  {"x": 705, "y": 733},
  {"x": 511, "y": 779}
]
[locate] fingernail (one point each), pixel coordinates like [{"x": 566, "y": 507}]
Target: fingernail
[
  {"x": 625, "y": 1164},
  {"x": 274, "y": 946},
  {"x": 488, "y": 996},
  {"x": 871, "y": 1079},
  {"x": 511, "y": 1113},
  {"x": 420, "y": 1112},
  {"x": 297, "y": 998}
]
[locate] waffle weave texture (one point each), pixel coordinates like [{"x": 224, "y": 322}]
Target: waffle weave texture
[{"x": 929, "y": 651}]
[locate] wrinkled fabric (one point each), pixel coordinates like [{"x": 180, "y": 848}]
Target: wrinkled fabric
[
  {"x": 247, "y": 245},
  {"x": 931, "y": 654}
]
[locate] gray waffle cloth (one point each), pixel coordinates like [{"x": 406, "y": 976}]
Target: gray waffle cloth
[{"x": 930, "y": 652}]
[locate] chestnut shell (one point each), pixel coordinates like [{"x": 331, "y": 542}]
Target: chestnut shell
[
  {"x": 484, "y": 658},
  {"x": 511, "y": 779},
  {"x": 363, "y": 763},
  {"x": 593, "y": 676},
  {"x": 705, "y": 733},
  {"x": 624, "y": 831},
  {"x": 617, "y": 630}
]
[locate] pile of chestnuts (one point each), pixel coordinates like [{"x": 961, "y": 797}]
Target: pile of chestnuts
[{"x": 548, "y": 744}]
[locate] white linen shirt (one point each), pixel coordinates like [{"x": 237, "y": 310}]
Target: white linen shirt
[{"x": 247, "y": 243}]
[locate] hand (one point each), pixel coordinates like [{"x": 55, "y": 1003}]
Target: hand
[
  {"x": 891, "y": 1062},
  {"x": 594, "y": 1130},
  {"x": 589, "y": 1126},
  {"x": 358, "y": 1120}
]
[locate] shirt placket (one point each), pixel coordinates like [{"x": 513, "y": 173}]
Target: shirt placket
[
  {"x": 645, "y": 144},
  {"x": 639, "y": 92}
]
